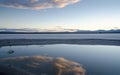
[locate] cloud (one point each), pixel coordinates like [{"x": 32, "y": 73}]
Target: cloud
[
  {"x": 42, "y": 65},
  {"x": 32, "y": 1},
  {"x": 63, "y": 3},
  {"x": 36, "y": 4},
  {"x": 55, "y": 29}
]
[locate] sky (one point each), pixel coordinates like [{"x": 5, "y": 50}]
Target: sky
[{"x": 60, "y": 14}]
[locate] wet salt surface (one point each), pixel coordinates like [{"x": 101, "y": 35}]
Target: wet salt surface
[{"x": 96, "y": 59}]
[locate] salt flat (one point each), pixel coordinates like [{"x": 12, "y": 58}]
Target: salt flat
[{"x": 60, "y": 36}]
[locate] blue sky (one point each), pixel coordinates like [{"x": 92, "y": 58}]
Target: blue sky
[{"x": 69, "y": 14}]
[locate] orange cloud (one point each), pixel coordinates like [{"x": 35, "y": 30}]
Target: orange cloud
[
  {"x": 36, "y": 4},
  {"x": 63, "y": 3}
]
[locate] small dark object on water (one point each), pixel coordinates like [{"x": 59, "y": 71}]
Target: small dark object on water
[{"x": 10, "y": 51}]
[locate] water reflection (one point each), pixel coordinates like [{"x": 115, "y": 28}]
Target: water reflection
[
  {"x": 39, "y": 65},
  {"x": 96, "y": 59}
]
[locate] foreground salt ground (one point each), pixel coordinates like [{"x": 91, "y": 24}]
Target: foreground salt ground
[
  {"x": 61, "y": 36},
  {"x": 39, "y": 65}
]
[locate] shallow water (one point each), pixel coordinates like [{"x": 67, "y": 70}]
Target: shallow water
[{"x": 96, "y": 59}]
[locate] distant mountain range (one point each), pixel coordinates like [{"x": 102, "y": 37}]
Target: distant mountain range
[
  {"x": 69, "y": 31},
  {"x": 103, "y": 31},
  {"x": 18, "y": 30}
]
